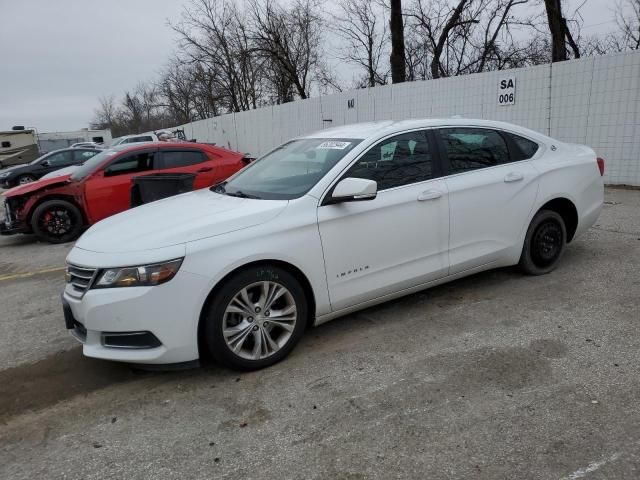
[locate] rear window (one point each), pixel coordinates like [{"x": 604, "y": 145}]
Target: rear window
[{"x": 185, "y": 158}]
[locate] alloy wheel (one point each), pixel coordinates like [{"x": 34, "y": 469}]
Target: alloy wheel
[
  {"x": 57, "y": 222},
  {"x": 24, "y": 180},
  {"x": 259, "y": 320}
]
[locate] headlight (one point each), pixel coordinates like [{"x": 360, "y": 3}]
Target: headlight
[
  {"x": 5, "y": 174},
  {"x": 143, "y": 276}
]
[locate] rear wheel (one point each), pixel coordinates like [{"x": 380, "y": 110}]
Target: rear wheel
[
  {"x": 544, "y": 244},
  {"x": 256, "y": 318},
  {"x": 57, "y": 221}
]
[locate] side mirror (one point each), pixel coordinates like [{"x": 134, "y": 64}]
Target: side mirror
[
  {"x": 354, "y": 190},
  {"x": 46, "y": 163}
]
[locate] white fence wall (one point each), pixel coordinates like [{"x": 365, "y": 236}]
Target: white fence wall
[{"x": 594, "y": 101}]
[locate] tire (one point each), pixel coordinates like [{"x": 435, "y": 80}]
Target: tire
[
  {"x": 24, "y": 179},
  {"x": 57, "y": 221},
  {"x": 544, "y": 244},
  {"x": 252, "y": 326}
]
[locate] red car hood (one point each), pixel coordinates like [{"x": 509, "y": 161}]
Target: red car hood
[{"x": 34, "y": 186}]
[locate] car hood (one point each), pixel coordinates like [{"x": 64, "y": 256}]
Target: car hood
[
  {"x": 177, "y": 220},
  {"x": 34, "y": 186},
  {"x": 62, "y": 172},
  {"x": 14, "y": 169}
]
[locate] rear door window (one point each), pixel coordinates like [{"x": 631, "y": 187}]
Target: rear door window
[
  {"x": 181, "y": 158},
  {"x": 469, "y": 149}
]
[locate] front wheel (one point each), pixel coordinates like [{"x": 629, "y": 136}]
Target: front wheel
[
  {"x": 57, "y": 221},
  {"x": 256, "y": 318},
  {"x": 544, "y": 244},
  {"x": 24, "y": 179}
]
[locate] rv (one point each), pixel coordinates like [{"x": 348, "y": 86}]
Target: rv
[{"x": 18, "y": 147}]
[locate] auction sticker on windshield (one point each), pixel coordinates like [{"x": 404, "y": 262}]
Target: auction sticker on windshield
[{"x": 334, "y": 145}]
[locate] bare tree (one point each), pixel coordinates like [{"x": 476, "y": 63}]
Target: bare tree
[
  {"x": 213, "y": 35},
  {"x": 149, "y": 99},
  {"x": 453, "y": 21},
  {"x": 132, "y": 112},
  {"x": 397, "y": 57},
  {"x": 556, "y": 28},
  {"x": 105, "y": 115},
  {"x": 417, "y": 54},
  {"x": 628, "y": 22},
  {"x": 499, "y": 22},
  {"x": 465, "y": 36},
  {"x": 362, "y": 26},
  {"x": 436, "y": 21},
  {"x": 560, "y": 32},
  {"x": 290, "y": 40},
  {"x": 209, "y": 100},
  {"x": 178, "y": 89}
]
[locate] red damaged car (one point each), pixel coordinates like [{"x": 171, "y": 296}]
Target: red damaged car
[{"x": 58, "y": 209}]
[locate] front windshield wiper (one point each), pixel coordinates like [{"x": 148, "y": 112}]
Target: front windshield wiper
[
  {"x": 219, "y": 188},
  {"x": 241, "y": 194}
]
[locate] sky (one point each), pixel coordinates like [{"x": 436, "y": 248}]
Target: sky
[{"x": 57, "y": 57}]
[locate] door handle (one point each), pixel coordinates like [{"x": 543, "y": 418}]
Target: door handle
[
  {"x": 429, "y": 195},
  {"x": 204, "y": 169},
  {"x": 513, "y": 177}
]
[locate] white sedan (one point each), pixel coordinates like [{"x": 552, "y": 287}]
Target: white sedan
[{"x": 324, "y": 225}]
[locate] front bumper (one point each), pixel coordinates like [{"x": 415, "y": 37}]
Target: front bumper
[
  {"x": 9, "y": 225},
  {"x": 162, "y": 319},
  {"x": 9, "y": 229}
]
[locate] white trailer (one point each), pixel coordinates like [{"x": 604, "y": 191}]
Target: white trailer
[{"x": 18, "y": 147}]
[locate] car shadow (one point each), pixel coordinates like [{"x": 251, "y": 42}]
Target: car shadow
[{"x": 67, "y": 374}]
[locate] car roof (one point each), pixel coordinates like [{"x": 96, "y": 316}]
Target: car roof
[
  {"x": 368, "y": 130},
  {"x": 168, "y": 145}
]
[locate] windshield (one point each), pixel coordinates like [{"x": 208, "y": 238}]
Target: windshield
[
  {"x": 289, "y": 171},
  {"x": 90, "y": 165}
]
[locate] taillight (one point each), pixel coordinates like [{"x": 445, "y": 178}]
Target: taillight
[{"x": 601, "y": 165}]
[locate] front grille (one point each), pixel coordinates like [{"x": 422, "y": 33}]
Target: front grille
[{"x": 80, "y": 279}]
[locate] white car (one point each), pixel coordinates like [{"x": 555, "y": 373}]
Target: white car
[
  {"x": 322, "y": 226},
  {"x": 143, "y": 137},
  {"x": 88, "y": 144}
]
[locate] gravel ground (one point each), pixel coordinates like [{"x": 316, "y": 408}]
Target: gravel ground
[{"x": 494, "y": 376}]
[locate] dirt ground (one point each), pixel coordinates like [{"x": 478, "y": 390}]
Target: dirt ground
[{"x": 494, "y": 376}]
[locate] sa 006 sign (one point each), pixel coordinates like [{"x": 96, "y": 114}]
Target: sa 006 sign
[{"x": 507, "y": 91}]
